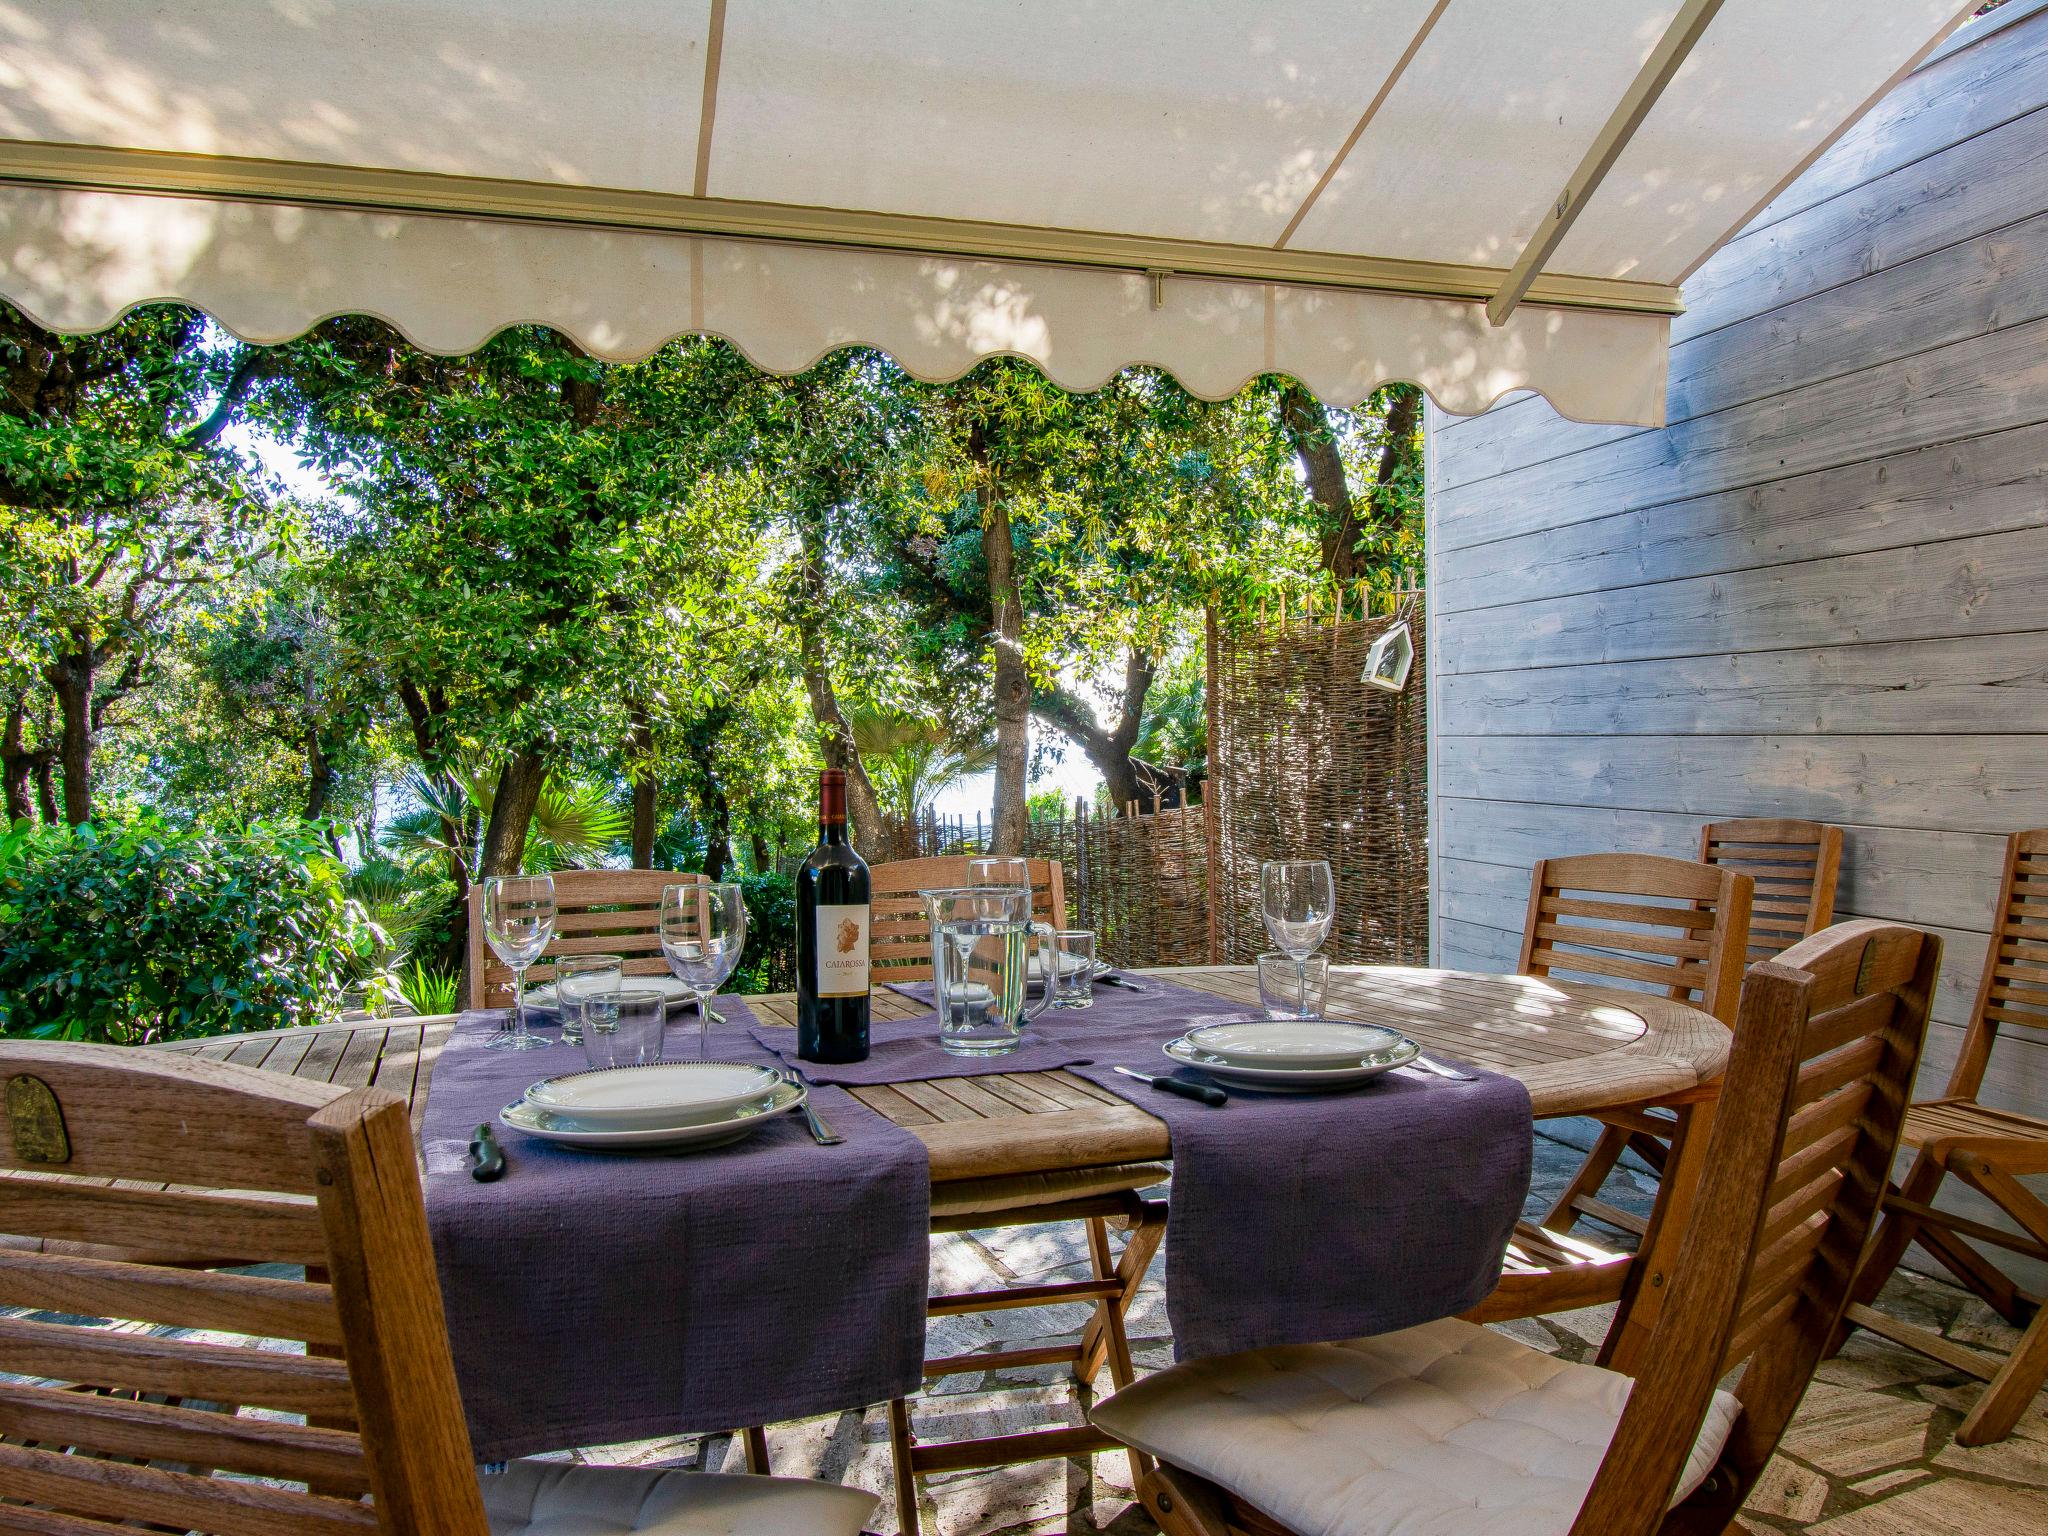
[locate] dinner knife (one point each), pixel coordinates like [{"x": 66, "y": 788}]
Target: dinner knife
[{"x": 1201, "y": 1093}]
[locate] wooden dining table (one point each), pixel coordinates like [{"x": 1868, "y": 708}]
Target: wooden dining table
[{"x": 1578, "y": 1049}]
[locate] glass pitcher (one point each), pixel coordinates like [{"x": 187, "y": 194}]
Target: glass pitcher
[{"x": 982, "y": 937}]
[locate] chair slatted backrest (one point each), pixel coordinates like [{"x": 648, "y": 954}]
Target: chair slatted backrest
[
  {"x": 1826, "y": 1045},
  {"x": 597, "y": 912},
  {"x": 1795, "y": 865},
  {"x": 2013, "y": 991},
  {"x": 131, "y": 1181},
  {"x": 1671, "y": 923},
  {"x": 900, "y": 939}
]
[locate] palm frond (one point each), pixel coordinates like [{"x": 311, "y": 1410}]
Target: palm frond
[{"x": 575, "y": 822}]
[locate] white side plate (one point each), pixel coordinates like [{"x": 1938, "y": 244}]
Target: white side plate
[
  {"x": 534, "y": 1121},
  {"x": 1271, "y": 1079},
  {"x": 660, "y": 1094},
  {"x": 1291, "y": 1042}
]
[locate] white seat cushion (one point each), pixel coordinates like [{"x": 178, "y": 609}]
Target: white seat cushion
[
  {"x": 558, "y": 1498},
  {"x": 1448, "y": 1429}
]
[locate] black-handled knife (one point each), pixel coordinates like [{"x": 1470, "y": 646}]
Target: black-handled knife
[
  {"x": 486, "y": 1157},
  {"x": 1201, "y": 1093}
]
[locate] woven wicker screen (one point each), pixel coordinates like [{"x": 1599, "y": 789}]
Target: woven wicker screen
[
  {"x": 1140, "y": 882},
  {"x": 1310, "y": 763}
]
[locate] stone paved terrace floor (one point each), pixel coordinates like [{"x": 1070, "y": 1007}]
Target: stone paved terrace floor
[{"x": 1871, "y": 1453}]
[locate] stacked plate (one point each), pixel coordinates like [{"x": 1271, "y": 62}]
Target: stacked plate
[
  {"x": 669, "y": 1104},
  {"x": 1292, "y": 1055}
]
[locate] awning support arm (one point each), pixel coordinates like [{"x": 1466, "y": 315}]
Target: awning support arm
[{"x": 1606, "y": 148}]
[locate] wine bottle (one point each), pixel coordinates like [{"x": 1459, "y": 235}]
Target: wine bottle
[{"x": 832, "y": 917}]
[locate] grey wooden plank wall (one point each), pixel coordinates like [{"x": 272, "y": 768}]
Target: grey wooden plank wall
[{"x": 1821, "y": 590}]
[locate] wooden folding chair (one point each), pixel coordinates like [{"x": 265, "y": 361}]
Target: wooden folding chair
[
  {"x": 1795, "y": 865},
  {"x": 597, "y": 912},
  {"x": 1098, "y": 1197},
  {"x": 1677, "y": 925},
  {"x": 1989, "y": 1150},
  {"x": 1351, "y": 1437},
  {"x": 102, "y": 1426},
  {"x": 899, "y": 942}
]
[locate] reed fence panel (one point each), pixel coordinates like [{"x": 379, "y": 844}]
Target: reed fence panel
[{"x": 1309, "y": 762}]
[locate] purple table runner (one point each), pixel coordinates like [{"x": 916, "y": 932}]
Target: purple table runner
[
  {"x": 1294, "y": 1219},
  {"x": 594, "y": 1298}
]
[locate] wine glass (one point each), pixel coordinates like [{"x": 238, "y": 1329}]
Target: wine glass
[
  {"x": 519, "y": 919},
  {"x": 999, "y": 871},
  {"x": 1298, "y": 900},
  {"x": 703, "y": 930},
  {"x": 1009, "y": 873}
]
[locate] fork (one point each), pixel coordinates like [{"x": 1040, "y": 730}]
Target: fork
[{"x": 821, "y": 1133}]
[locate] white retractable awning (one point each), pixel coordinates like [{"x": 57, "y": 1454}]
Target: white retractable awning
[{"x": 1336, "y": 189}]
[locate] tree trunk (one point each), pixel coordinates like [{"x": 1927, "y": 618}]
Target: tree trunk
[
  {"x": 518, "y": 792},
  {"x": 319, "y": 777},
  {"x": 717, "y": 833},
  {"x": 1012, "y": 679},
  {"x": 71, "y": 677},
  {"x": 712, "y": 802},
  {"x": 1397, "y": 453},
  {"x": 836, "y": 736},
  {"x": 759, "y": 846},
  {"x": 46, "y": 790},
  {"x": 1314, "y": 442},
  {"x": 17, "y": 763},
  {"x": 424, "y": 713},
  {"x": 1109, "y": 750},
  {"x": 640, "y": 769}
]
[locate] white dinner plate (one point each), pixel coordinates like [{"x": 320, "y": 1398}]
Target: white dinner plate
[
  {"x": 729, "y": 1127},
  {"x": 657, "y": 1095},
  {"x": 1304, "y": 1043},
  {"x": 1271, "y": 1079},
  {"x": 671, "y": 989}
]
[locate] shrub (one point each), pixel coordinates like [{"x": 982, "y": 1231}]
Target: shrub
[
  {"x": 140, "y": 931},
  {"x": 768, "y": 962}
]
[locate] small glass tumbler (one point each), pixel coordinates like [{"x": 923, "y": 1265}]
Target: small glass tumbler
[
  {"x": 1073, "y": 968},
  {"x": 578, "y": 978},
  {"x": 623, "y": 1028},
  {"x": 1293, "y": 989}
]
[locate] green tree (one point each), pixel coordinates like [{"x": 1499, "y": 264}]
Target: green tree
[
  {"x": 118, "y": 503},
  {"x": 519, "y": 546}
]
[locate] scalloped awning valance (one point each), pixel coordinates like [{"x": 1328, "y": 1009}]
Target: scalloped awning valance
[{"x": 1480, "y": 196}]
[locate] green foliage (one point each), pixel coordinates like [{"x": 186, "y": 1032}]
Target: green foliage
[
  {"x": 430, "y": 991},
  {"x": 1174, "y": 731},
  {"x": 141, "y": 931},
  {"x": 1048, "y": 805},
  {"x": 913, "y": 761},
  {"x": 768, "y": 962}
]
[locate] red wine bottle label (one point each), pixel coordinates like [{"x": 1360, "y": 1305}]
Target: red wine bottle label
[{"x": 842, "y": 950}]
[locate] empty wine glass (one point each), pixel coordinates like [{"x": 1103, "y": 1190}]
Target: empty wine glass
[
  {"x": 703, "y": 930},
  {"x": 1298, "y": 899},
  {"x": 519, "y": 919},
  {"x": 999, "y": 871},
  {"x": 1009, "y": 872}
]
